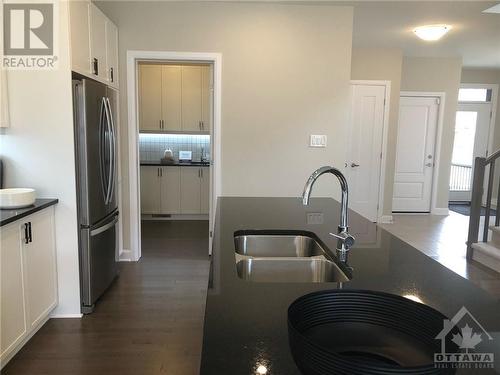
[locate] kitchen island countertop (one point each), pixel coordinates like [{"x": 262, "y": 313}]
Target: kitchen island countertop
[{"x": 246, "y": 322}]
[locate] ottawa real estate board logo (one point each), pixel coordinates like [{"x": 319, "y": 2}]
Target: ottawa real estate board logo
[
  {"x": 29, "y": 35},
  {"x": 464, "y": 343}
]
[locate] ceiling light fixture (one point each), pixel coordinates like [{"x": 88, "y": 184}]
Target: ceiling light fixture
[
  {"x": 493, "y": 9},
  {"x": 431, "y": 32}
]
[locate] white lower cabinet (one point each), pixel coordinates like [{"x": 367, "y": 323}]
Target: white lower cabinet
[
  {"x": 205, "y": 190},
  {"x": 28, "y": 279},
  {"x": 160, "y": 190},
  {"x": 175, "y": 190},
  {"x": 190, "y": 193}
]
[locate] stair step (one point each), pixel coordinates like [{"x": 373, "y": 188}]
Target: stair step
[
  {"x": 487, "y": 248},
  {"x": 494, "y": 228}
]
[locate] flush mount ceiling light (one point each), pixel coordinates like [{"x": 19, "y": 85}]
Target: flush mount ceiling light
[
  {"x": 493, "y": 9},
  {"x": 431, "y": 32}
]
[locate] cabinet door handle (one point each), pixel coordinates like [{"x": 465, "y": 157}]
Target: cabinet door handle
[
  {"x": 161, "y": 172},
  {"x": 111, "y": 75},
  {"x": 26, "y": 234},
  {"x": 30, "y": 232},
  {"x": 95, "y": 66},
  {"x": 158, "y": 172}
]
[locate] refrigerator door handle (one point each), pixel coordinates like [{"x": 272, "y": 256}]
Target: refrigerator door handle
[
  {"x": 102, "y": 150},
  {"x": 112, "y": 169},
  {"x": 105, "y": 227},
  {"x": 110, "y": 150}
]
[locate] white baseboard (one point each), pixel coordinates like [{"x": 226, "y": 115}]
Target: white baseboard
[
  {"x": 385, "y": 219},
  {"x": 126, "y": 255},
  {"x": 65, "y": 316},
  {"x": 440, "y": 211}
]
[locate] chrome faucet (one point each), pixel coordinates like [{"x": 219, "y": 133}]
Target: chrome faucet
[{"x": 344, "y": 240}]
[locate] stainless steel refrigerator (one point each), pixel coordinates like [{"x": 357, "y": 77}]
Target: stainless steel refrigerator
[{"x": 95, "y": 151}]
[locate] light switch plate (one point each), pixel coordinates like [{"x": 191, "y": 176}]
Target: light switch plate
[{"x": 317, "y": 140}]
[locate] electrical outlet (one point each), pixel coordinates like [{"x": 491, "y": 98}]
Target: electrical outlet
[
  {"x": 315, "y": 218},
  {"x": 317, "y": 140}
]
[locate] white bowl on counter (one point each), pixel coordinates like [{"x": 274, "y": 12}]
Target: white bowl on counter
[{"x": 16, "y": 198}]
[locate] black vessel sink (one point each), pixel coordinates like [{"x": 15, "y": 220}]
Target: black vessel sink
[{"x": 363, "y": 332}]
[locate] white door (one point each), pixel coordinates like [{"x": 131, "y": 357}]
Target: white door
[
  {"x": 416, "y": 139},
  {"x": 190, "y": 190},
  {"x": 12, "y": 309},
  {"x": 150, "y": 97},
  {"x": 41, "y": 277},
  {"x": 150, "y": 190},
  {"x": 472, "y": 128},
  {"x": 365, "y": 149},
  {"x": 171, "y": 190},
  {"x": 191, "y": 98}
]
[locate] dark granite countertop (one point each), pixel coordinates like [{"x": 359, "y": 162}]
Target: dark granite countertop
[
  {"x": 246, "y": 322},
  {"x": 9, "y": 216},
  {"x": 175, "y": 164}
]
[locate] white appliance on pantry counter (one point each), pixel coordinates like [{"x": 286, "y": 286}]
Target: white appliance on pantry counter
[{"x": 185, "y": 156}]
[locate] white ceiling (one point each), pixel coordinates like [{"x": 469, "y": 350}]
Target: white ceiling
[{"x": 475, "y": 35}]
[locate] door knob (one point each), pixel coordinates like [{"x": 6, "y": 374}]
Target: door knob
[
  {"x": 428, "y": 165},
  {"x": 354, "y": 165}
]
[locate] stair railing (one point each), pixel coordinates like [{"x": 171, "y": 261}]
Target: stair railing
[{"x": 478, "y": 184}]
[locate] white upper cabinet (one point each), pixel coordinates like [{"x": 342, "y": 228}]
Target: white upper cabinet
[
  {"x": 94, "y": 43},
  {"x": 112, "y": 53},
  {"x": 191, "y": 98},
  {"x": 80, "y": 36},
  {"x": 98, "y": 43}
]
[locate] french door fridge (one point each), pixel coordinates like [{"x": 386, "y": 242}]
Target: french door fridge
[{"x": 95, "y": 151}]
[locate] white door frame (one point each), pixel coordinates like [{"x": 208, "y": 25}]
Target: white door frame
[
  {"x": 437, "y": 146},
  {"x": 381, "y": 218},
  {"x": 133, "y": 57}
]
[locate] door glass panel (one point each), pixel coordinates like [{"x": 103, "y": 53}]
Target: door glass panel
[
  {"x": 474, "y": 95},
  {"x": 463, "y": 151}
]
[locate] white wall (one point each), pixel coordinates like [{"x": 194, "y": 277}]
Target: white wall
[
  {"x": 437, "y": 74},
  {"x": 285, "y": 75},
  {"x": 38, "y": 152},
  {"x": 383, "y": 64}
]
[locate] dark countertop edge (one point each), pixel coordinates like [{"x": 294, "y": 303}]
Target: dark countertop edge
[
  {"x": 9, "y": 216},
  {"x": 176, "y": 164}
]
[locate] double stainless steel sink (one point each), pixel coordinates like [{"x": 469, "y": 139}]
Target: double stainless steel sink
[{"x": 284, "y": 256}]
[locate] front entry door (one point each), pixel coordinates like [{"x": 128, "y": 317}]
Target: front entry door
[
  {"x": 418, "y": 117},
  {"x": 472, "y": 127},
  {"x": 365, "y": 149}
]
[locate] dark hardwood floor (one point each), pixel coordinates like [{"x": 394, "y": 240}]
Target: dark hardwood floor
[{"x": 149, "y": 322}]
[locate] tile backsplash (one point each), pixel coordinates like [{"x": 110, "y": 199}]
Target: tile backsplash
[{"x": 153, "y": 146}]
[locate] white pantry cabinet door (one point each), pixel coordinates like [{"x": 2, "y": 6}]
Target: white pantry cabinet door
[
  {"x": 41, "y": 276},
  {"x": 112, "y": 53},
  {"x": 206, "y": 98},
  {"x": 190, "y": 190},
  {"x": 150, "y": 97},
  {"x": 12, "y": 313},
  {"x": 150, "y": 190},
  {"x": 98, "y": 43},
  {"x": 191, "y": 98},
  {"x": 171, "y": 97},
  {"x": 171, "y": 190},
  {"x": 205, "y": 190}
]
